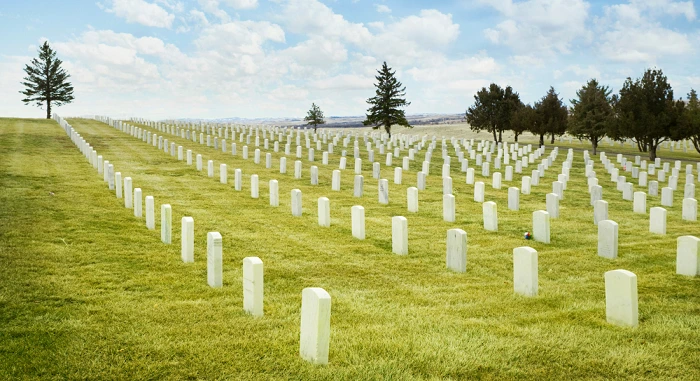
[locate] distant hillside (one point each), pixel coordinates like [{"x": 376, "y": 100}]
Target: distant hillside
[{"x": 337, "y": 121}]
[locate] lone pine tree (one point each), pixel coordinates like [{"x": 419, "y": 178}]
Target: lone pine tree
[
  {"x": 385, "y": 105},
  {"x": 46, "y": 81},
  {"x": 315, "y": 116}
]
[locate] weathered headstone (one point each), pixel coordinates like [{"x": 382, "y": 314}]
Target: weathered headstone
[
  {"x": 552, "y": 201},
  {"x": 513, "y": 198},
  {"x": 383, "y": 190},
  {"x": 690, "y": 209},
  {"x": 358, "y": 187},
  {"x": 448, "y": 208},
  {"x": 296, "y": 203},
  {"x": 479, "y": 190},
  {"x": 525, "y": 185}
]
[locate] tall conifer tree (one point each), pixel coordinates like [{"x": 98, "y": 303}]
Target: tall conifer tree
[
  {"x": 46, "y": 81},
  {"x": 385, "y": 110}
]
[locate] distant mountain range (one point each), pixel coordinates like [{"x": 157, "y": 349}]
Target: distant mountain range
[{"x": 336, "y": 121}]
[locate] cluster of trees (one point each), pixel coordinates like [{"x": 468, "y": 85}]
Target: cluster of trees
[{"x": 644, "y": 111}]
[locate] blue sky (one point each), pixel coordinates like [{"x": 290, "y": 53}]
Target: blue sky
[{"x": 271, "y": 58}]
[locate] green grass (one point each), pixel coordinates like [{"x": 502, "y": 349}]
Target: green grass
[{"x": 87, "y": 292}]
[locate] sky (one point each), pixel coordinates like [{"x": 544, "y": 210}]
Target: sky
[{"x": 162, "y": 59}]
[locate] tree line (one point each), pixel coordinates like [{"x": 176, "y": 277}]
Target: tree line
[{"x": 644, "y": 111}]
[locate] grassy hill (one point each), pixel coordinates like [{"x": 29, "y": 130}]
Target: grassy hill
[{"x": 87, "y": 292}]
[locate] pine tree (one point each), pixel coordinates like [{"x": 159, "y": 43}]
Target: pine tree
[
  {"x": 552, "y": 116},
  {"x": 314, "y": 116},
  {"x": 591, "y": 113},
  {"x": 387, "y": 101},
  {"x": 646, "y": 112},
  {"x": 493, "y": 110},
  {"x": 691, "y": 119},
  {"x": 46, "y": 81}
]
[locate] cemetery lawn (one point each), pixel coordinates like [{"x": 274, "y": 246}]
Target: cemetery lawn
[{"x": 87, "y": 292}]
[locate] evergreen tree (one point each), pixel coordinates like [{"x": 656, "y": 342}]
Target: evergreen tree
[
  {"x": 385, "y": 105},
  {"x": 493, "y": 110},
  {"x": 591, "y": 113},
  {"x": 46, "y": 81},
  {"x": 523, "y": 119},
  {"x": 552, "y": 116},
  {"x": 315, "y": 116},
  {"x": 646, "y": 112},
  {"x": 691, "y": 119}
]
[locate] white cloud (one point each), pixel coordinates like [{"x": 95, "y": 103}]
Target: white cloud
[
  {"x": 142, "y": 12},
  {"x": 631, "y": 33},
  {"x": 545, "y": 26},
  {"x": 241, "y": 4},
  {"x": 381, "y": 8}
]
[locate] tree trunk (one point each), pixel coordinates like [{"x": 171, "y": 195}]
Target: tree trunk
[
  {"x": 552, "y": 142},
  {"x": 388, "y": 130},
  {"x": 500, "y": 136},
  {"x": 48, "y": 109},
  {"x": 541, "y": 140},
  {"x": 516, "y": 137},
  {"x": 494, "y": 135},
  {"x": 696, "y": 143},
  {"x": 594, "y": 141},
  {"x": 652, "y": 152}
]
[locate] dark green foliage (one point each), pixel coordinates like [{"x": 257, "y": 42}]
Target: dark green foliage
[
  {"x": 389, "y": 98},
  {"x": 46, "y": 81},
  {"x": 646, "y": 112},
  {"x": 552, "y": 116},
  {"x": 591, "y": 113},
  {"x": 690, "y": 121},
  {"x": 315, "y": 116},
  {"x": 523, "y": 118},
  {"x": 493, "y": 110}
]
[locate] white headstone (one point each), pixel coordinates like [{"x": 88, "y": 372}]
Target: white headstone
[
  {"x": 640, "y": 202},
  {"x": 315, "y": 331},
  {"x": 274, "y": 193},
  {"x": 688, "y": 256},
  {"x": 399, "y": 235},
  {"x": 607, "y": 239},
  {"x": 324, "y": 212},
  {"x": 657, "y": 220},
  {"x": 448, "y": 208},
  {"x": 412, "y": 199},
  {"x": 187, "y": 240},
  {"x": 690, "y": 209},
  {"x": 621, "y": 298},
  {"x": 128, "y": 195},
  {"x": 150, "y": 213},
  {"x": 457, "y": 250},
  {"x": 513, "y": 198},
  {"x": 214, "y": 260},
  {"x": 667, "y": 196},
  {"x": 479, "y": 190},
  {"x": 490, "y": 212},
  {"x": 253, "y": 286},
  {"x": 541, "y": 226},
  {"x": 552, "y": 201},
  {"x": 358, "y": 188},
  {"x": 383, "y": 190},
  {"x": 210, "y": 168},
  {"x": 525, "y": 280},
  {"x": 254, "y": 186},
  {"x": 296, "y": 203},
  {"x": 166, "y": 223},
  {"x": 137, "y": 202},
  {"x": 335, "y": 180},
  {"x": 297, "y": 169},
  {"x": 470, "y": 176},
  {"x": 357, "y": 213},
  {"x": 525, "y": 186},
  {"x": 398, "y": 175}
]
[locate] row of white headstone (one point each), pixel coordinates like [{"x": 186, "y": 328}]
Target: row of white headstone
[{"x": 315, "y": 310}]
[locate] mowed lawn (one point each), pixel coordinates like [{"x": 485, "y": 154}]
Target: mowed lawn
[{"x": 87, "y": 292}]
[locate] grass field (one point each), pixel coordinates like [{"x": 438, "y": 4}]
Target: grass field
[{"x": 87, "y": 292}]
